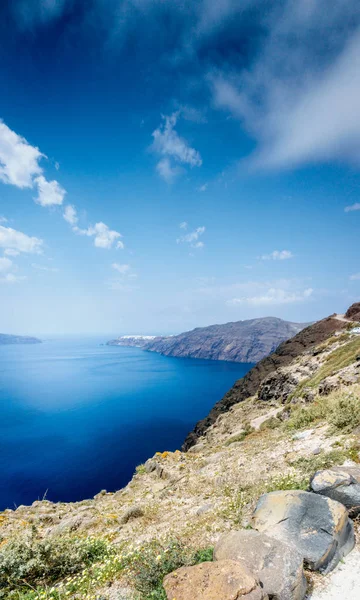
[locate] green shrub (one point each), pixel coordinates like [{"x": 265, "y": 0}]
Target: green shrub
[
  {"x": 344, "y": 410},
  {"x": 26, "y": 560},
  {"x": 270, "y": 423},
  {"x": 150, "y": 565}
]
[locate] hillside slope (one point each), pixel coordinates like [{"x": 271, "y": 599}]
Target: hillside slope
[
  {"x": 302, "y": 417},
  {"x": 241, "y": 341},
  {"x": 283, "y": 356}
]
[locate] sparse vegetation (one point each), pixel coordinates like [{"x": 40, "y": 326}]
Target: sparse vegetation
[
  {"x": 26, "y": 561},
  {"x": 155, "y": 560},
  {"x": 341, "y": 409}
]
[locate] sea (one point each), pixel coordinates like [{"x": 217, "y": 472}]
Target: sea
[{"x": 77, "y": 416}]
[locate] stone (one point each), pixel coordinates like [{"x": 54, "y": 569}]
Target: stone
[
  {"x": 222, "y": 580},
  {"x": 134, "y": 512},
  {"x": 204, "y": 509},
  {"x": 150, "y": 465},
  {"x": 341, "y": 484},
  {"x": 278, "y": 566},
  {"x": 317, "y": 526},
  {"x": 316, "y": 451}
]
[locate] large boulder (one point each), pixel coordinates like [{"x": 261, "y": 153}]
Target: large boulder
[
  {"x": 317, "y": 526},
  {"x": 278, "y": 566},
  {"x": 341, "y": 484},
  {"x": 222, "y": 580}
]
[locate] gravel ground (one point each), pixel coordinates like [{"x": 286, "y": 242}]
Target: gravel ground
[{"x": 341, "y": 584}]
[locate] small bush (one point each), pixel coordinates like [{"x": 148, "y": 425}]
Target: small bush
[
  {"x": 150, "y": 565},
  {"x": 270, "y": 423},
  {"x": 344, "y": 410},
  {"x": 25, "y": 560}
]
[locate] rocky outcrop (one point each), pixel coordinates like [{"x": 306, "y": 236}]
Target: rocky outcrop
[
  {"x": 278, "y": 566},
  {"x": 285, "y": 354},
  {"x": 318, "y": 527},
  {"x": 226, "y": 579},
  {"x": 353, "y": 313},
  {"x": 17, "y": 339},
  {"x": 341, "y": 484},
  {"x": 241, "y": 341}
]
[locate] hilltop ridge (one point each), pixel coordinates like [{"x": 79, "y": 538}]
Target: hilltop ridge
[{"x": 239, "y": 341}]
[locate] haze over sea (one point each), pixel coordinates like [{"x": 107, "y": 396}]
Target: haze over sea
[{"x": 78, "y": 416}]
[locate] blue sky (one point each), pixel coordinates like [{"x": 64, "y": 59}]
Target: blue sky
[{"x": 165, "y": 165}]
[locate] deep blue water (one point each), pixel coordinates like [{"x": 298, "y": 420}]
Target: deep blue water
[{"x": 77, "y": 417}]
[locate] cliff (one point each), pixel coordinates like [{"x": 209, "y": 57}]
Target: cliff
[
  {"x": 17, "y": 339},
  {"x": 241, "y": 341}
]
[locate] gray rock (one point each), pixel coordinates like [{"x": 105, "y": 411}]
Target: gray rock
[
  {"x": 278, "y": 566},
  {"x": 316, "y": 451},
  {"x": 150, "y": 465},
  {"x": 317, "y": 526},
  {"x": 341, "y": 484},
  {"x": 204, "y": 509}
]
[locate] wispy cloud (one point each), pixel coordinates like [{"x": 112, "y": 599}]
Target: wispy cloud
[
  {"x": 173, "y": 148},
  {"x": 18, "y": 241},
  {"x": 122, "y": 269},
  {"x": 70, "y": 215},
  {"x": 3, "y": 219},
  {"x": 272, "y": 297},
  {"x": 104, "y": 237},
  {"x": 5, "y": 264},
  {"x": 192, "y": 238},
  {"x": 44, "y": 268},
  {"x": 278, "y": 255},
  {"x": 299, "y": 97},
  {"x": 353, "y": 207},
  {"x": 203, "y": 187},
  {"x": 12, "y": 278},
  {"x": 355, "y": 277},
  {"x": 183, "y": 225}
]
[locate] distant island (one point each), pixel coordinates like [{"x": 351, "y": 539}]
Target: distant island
[
  {"x": 17, "y": 339},
  {"x": 240, "y": 341}
]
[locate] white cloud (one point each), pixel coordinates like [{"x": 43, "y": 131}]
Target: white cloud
[
  {"x": 192, "y": 238},
  {"x": 353, "y": 207},
  {"x": 19, "y": 161},
  {"x": 122, "y": 269},
  {"x": 203, "y": 188},
  {"x": 167, "y": 171},
  {"x": 170, "y": 145},
  {"x": 104, "y": 237},
  {"x": 299, "y": 98},
  {"x": 355, "y": 277},
  {"x": 278, "y": 255},
  {"x": 11, "y": 278},
  {"x": 183, "y": 225},
  {"x": 5, "y": 264},
  {"x": 273, "y": 296},
  {"x": 3, "y": 219},
  {"x": 44, "y": 268},
  {"x": 70, "y": 215},
  {"x": 11, "y": 252},
  {"x": 50, "y": 193},
  {"x": 16, "y": 240}
]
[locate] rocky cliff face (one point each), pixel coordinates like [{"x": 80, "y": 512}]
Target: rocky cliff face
[
  {"x": 242, "y": 341},
  {"x": 285, "y": 354},
  {"x": 17, "y": 339}
]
